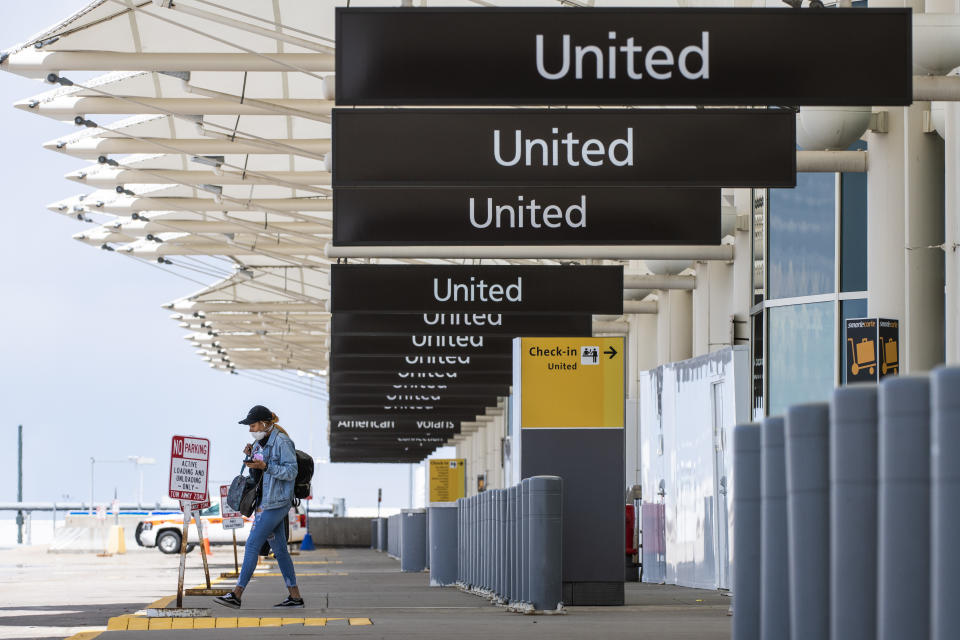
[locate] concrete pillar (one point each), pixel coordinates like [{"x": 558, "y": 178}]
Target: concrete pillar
[
  {"x": 546, "y": 548},
  {"x": 945, "y": 487},
  {"x": 806, "y": 449},
  {"x": 853, "y": 512},
  {"x": 903, "y": 516},
  {"x": 674, "y": 326},
  {"x": 746, "y": 532},
  {"x": 905, "y": 190},
  {"x": 443, "y": 545},
  {"x": 774, "y": 563}
]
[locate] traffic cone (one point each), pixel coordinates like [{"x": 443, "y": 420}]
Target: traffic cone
[
  {"x": 206, "y": 539},
  {"x": 307, "y": 543}
]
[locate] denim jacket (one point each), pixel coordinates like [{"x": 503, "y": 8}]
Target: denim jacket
[{"x": 278, "y": 478}]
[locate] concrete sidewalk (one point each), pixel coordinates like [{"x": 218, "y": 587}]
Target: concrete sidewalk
[{"x": 362, "y": 593}]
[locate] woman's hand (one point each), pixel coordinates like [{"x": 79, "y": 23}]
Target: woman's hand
[
  {"x": 247, "y": 450},
  {"x": 256, "y": 464}
]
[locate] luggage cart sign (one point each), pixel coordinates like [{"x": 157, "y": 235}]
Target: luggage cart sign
[
  {"x": 872, "y": 349},
  {"x": 231, "y": 519},
  {"x": 189, "y": 459}
]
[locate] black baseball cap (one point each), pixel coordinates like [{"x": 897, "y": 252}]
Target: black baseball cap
[{"x": 256, "y": 414}]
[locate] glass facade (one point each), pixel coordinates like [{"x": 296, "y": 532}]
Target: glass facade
[
  {"x": 802, "y": 236},
  {"x": 800, "y": 361},
  {"x": 810, "y": 252}
]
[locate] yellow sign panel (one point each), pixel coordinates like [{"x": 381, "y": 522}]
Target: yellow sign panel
[
  {"x": 571, "y": 383},
  {"x": 447, "y": 480}
]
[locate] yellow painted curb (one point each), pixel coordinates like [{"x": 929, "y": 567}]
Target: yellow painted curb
[
  {"x": 226, "y": 623},
  {"x": 161, "y": 623},
  {"x": 138, "y": 624},
  {"x": 162, "y": 603},
  {"x": 204, "y": 623},
  {"x": 271, "y": 622},
  {"x": 182, "y": 623},
  {"x": 248, "y": 622},
  {"x": 314, "y": 622},
  {"x": 118, "y": 623},
  {"x": 85, "y": 635},
  {"x": 360, "y": 622},
  {"x": 287, "y": 621}
]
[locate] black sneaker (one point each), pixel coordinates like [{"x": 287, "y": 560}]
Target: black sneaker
[
  {"x": 229, "y": 600},
  {"x": 290, "y": 603}
]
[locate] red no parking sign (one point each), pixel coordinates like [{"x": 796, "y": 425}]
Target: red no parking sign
[{"x": 189, "y": 459}]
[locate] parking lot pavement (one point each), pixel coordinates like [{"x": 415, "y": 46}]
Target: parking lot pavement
[{"x": 362, "y": 593}]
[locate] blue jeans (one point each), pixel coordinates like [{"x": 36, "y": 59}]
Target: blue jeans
[{"x": 268, "y": 525}]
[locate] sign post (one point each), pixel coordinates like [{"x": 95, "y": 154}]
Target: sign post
[
  {"x": 232, "y": 520},
  {"x": 569, "y": 398},
  {"x": 189, "y": 462}
]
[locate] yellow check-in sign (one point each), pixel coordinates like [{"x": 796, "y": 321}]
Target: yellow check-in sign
[
  {"x": 447, "y": 479},
  {"x": 572, "y": 383}
]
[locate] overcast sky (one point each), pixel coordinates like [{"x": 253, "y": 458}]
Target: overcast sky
[{"x": 92, "y": 366}]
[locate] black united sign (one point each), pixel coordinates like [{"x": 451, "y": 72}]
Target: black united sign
[
  {"x": 500, "y": 289},
  {"x": 618, "y": 56},
  {"x": 514, "y": 216},
  {"x": 562, "y": 147},
  {"x": 481, "y": 324}
]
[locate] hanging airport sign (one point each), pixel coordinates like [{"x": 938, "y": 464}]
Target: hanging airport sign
[
  {"x": 408, "y": 375},
  {"x": 401, "y": 408},
  {"x": 366, "y": 423},
  {"x": 189, "y": 458},
  {"x": 524, "y": 216},
  {"x": 447, "y": 479},
  {"x": 458, "y": 388},
  {"x": 524, "y": 148},
  {"x": 481, "y": 324},
  {"x": 231, "y": 519},
  {"x": 570, "y": 382},
  {"x": 413, "y": 364},
  {"x": 460, "y": 288},
  {"x": 623, "y": 56},
  {"x": 872, "y": 349},
  {"x": 476, "y": 346}
]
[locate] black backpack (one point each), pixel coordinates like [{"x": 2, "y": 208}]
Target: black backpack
[{"x": 301, "y": 486}]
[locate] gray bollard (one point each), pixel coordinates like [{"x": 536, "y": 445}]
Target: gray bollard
[
  {"x": 460, "y": 540},
  {"x": 903, "y": 516},
  {"x": 525, "y": 540},
  {"x": 383, "y": 535},
  {"x": 426, "y": 545},
  {"x": 546, "y": 542},
  {"x": 774, "y": 564},
  {"x": 502, "y": 586},
  {"x": 853, "y": 513},
  {"x": 746, "y": 532},
  {"x": 471, "y": 535},
  {"x": 373, "y": 533},
  {"x": 807, "y": 453},
  {"x": 944, "y": 516},
  {"x": 413, "y": 540},
  {"x": 509, "y": 544},
  {"x": 442, "y": 526}
]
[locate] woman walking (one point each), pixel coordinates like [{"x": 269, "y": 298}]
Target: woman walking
[{"x": 273, "y": 454}]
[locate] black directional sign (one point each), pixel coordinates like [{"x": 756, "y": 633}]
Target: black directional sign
[
  {"x": 481, "y": 324},
  {"x": 471, "y": 345},
  {"x": 433, "y": 375},
  {"x": 562, "y": 147},
  {"x": 414, "y": 364},
  {"x": 621, "y": 56},
  {"x": 342, "y": 390},
  {"x": 500, "y": 289},
  {"x": 390, "y": 426},
  {"x": 518, "y": 216}
]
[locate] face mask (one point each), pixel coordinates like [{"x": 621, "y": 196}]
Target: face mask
[{"x": 259, "y": 435}]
